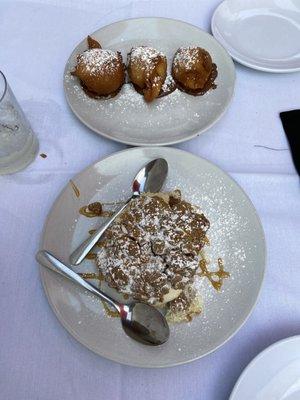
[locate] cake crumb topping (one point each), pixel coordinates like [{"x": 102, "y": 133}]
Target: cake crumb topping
[{"x": 152, "y": 251}]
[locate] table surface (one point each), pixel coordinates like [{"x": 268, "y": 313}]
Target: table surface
[{"x": 38, "y": 358}]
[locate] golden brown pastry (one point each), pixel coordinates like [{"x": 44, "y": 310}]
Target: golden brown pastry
[
  {"x": 147, "y": 70},
  {"x": 100, "y": 71},
  {"x": 193, "y": 70}
]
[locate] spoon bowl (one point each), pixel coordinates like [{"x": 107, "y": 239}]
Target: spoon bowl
[
  {"x": 144, "y": 323},
  {"x": 150, "y": 178},
  {"x": 140, "y": 321}
]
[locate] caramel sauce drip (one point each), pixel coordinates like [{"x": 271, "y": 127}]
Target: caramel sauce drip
[
  {"x": 94, "y": 210},
  {"x": 91, "y": 256},
  {"x": 206, "y": 240},
  {"x": 75, "y": 188},
  {"x": 88, "y": 275},
  {"x": 91, "y": 275},
  {"x": 100, "y": 277},
  {"x": 221, "y": 274},
  {"x": 108, "y": 311}
]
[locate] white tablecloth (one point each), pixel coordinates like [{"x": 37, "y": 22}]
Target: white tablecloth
[{"x": 38, "y": 358}]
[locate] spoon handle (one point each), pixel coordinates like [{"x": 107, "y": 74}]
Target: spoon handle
[
  {"x": 78, "y": 255},
  {"x": 48, "y": 260}
]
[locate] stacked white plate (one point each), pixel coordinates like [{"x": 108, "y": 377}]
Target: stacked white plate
[{"x": 261, "y": 34}]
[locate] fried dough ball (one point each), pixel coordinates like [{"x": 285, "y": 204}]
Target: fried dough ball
[
  {"x": 193, "y": 70},
  {"x": 147, "y": 70},
  {"x": 100, "y": 71}
]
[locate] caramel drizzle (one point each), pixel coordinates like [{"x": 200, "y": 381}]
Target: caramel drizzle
[
  {"x": 84, "y": 210},
  {"x": 206, "y": 240},
  {"x": 221, "y": 273},
  {"x": 91, "y": 275},
  {"x": 108, "y": 311},
  {"x": 88, "y": 275},
  {"x": 100, "y": 277},
  {"x": 115, "y": 203},
  {"x": 75, "y": 188},
  {"x": 91, "y": 256}
]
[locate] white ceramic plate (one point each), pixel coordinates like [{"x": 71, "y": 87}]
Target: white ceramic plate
[
  {"x": 172, "y": 119},
  {"x": 273, "y": 375},
  {"x": 261, "y": 34},
  {"x": 236, "y": 235}
]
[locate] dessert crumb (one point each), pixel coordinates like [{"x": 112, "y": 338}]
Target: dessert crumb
[{"x": 75, "y": 189}]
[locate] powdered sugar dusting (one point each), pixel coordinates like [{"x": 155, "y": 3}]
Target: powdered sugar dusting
[
  {"x": 145, "y": 56},
  {"x": 128, "y": 116},
  {"x": 128, "y": 103},
  {"x": 168, "y": 83},
  {"x": 168, "y": 86},
  {"x": 235, "y": 235},
  {"x": 227, "y": 228},
  {"x": 96, "y": 61},
  {"x": 153, "y": 250},
  {"x": 187, "y": 56}
]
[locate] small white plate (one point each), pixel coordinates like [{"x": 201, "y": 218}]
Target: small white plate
[
  {"x": 236, "y": 235},
  {"x": 127, "y": 118},
  {"x": 273, "y": 375},
  {"x": 261, "y": 34}
]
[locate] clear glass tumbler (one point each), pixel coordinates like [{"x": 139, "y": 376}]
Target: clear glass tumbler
[{"x": 18, "y": 143}]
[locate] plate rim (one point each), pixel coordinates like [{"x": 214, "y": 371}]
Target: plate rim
[
  {"x": 166, "y": 142},
  {"x": 257, "y": 358},
  {"x": 70, "y": 330},
  {"x": 231, "y": 50}
]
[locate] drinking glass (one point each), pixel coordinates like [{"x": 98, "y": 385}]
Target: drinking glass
[{"x": 18, "y": 143}]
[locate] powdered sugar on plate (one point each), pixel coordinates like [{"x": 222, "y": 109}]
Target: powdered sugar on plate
[
  {"x": 128, "y": 103},
  {"x": 128, "y": 118},
  {"x": 167, "y": 120},
  {"x": 227, "y": 228},
  {"x": 235, "y": 235}
]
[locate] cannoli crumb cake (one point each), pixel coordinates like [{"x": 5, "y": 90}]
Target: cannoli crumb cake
[{"x": 153, "y": 252}]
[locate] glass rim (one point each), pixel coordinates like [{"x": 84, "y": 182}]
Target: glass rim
[{"x": 5, "y": 86}]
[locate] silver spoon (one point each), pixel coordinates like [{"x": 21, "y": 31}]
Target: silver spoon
[
  {"x": 149, "y": 179},
  {"x": 140, "y": 321}
]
